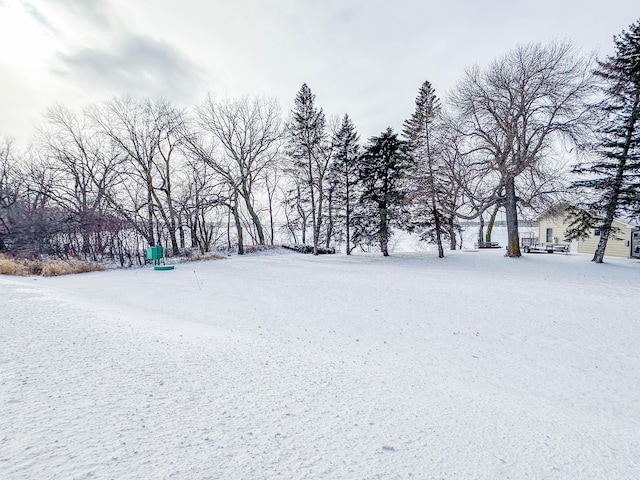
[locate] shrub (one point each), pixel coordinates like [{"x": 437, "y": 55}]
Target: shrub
[
  {"x": 259, "y": 248},
  {"x": 198, "y": 257},
  {"x": 9, "y": 266},
  {"x": 57, "y": 268},
  {"x": 48, "y": 268}
]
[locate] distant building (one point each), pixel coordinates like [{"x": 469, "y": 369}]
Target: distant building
[{"x": 625, "y": 243}]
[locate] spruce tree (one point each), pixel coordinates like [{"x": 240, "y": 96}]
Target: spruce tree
[
  {"x": 613, "y": 176},
  {"x": 344, "y": 171},
  {"x": 421, "y": 130},
  {"x": 307, "y": 139},
  {"x": 383, "y": 171}
]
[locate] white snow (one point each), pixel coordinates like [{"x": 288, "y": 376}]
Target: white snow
[{"x": 292, "y": 366}]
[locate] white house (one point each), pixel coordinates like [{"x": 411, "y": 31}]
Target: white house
[{"x": 625, "y": 243}]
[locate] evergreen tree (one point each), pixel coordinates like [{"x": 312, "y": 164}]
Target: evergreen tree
[
  {"x": 613, "y": 176},
  {"x": 421, "y": 130},
  {"x": 307, "y": 144},
  {"x": 383, "y": 171},
  {"x": 344, "y": 173}
]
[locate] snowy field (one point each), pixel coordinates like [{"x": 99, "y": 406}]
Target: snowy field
[{"x": 291, "y": 366}]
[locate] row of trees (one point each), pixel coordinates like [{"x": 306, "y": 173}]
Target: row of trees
[{"x": 126, "y": 174}]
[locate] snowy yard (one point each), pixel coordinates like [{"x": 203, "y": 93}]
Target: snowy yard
[{"x": 292, "y": 366}]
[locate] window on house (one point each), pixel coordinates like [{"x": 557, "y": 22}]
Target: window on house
[
  {"x": 597, "y": 232},
  {"x": 549, "y": 235}
]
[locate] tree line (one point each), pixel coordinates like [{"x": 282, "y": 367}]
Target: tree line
[{"x": 116, "y": 177}]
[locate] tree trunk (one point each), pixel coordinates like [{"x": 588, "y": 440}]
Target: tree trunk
[
  {"x": 432, "y": 193},
  {"x": 438, "y": 227},
  {"x": 271, "y": 226},
  {"x": 330, "y": 224},
  {"x": 150, "y": 236},
  {"x": 183, "y": 243},
  {"x": 598, "y": 255},
  {"x": 348, "y": 219},
  {"x": 86, "y": 245},
  {"x": 452, "y": 234},
  {"x": 252, "y": 213},
  {"x": 492, "y": 221},
  {"x": 240, "y": 238},
  {"x": 193, "y": 229},
  {"x": 236, "y": 217},
  {"x": 319, "y": 219},
  {"x": 314, "y": 220},
  {"x": 302, "y": 214},
  {"x": 612, "y": 205},
  {"x": 513, "y": 243},
  {"x": 384, "y": 231},
  {"x": 605, "y": 229},
  {"x": 171, "y": 221},
  {"x": 173, "y": 228},
  {"x": 229, "y": 227}
]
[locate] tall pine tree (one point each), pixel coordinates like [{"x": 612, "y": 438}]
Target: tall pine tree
[
  {"x": 614, "y": 175},
  {"x": 307, "y": 141},
  {"x": 421, "y": 130},
  {"x": 344, "y": 171},
  {"x": 383, "y": 172}
]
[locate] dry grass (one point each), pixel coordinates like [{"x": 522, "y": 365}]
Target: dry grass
[
  {"x": 197, "y": 257},
  {"x": 10, "y": 267},
  {"x": 46, "y": 268},
  {"x": 57, "y": 268},
  {"x": 19, "y": 266},
  {"x": 259, "y": 248}
]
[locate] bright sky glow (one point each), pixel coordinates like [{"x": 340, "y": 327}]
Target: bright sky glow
[{"x": 363, "y": 57}]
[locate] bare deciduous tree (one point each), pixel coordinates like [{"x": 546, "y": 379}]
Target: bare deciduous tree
[
  {"x": 9, "y": 187},
  {"x": 148, "y": 133},
  {"x": 518, "y": 108},
  {"x": 85, "y": 170},
  {"x": 249, "y": 132}
]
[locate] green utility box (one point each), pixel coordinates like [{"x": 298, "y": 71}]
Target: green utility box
[
  {"x": 157, "y": 255},
  {"x": 154, "y": 253}
]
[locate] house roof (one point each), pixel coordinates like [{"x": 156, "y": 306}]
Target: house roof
[
  {"x": 629, "y": 220},
  {"x": 560, "y": 207},
  {"x": 555, "y": 209}
]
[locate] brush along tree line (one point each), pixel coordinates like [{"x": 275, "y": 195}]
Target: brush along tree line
[{"x": 125, "y": 174}]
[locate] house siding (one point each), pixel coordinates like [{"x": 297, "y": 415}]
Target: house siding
[{"x": 616, "y": 247}]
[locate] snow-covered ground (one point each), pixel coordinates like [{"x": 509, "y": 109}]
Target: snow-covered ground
[{"x": 292, "y": 366}]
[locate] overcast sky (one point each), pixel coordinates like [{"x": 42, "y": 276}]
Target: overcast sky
[{"x": 363, "y": 57}]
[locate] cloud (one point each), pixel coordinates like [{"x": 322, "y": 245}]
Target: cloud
[
  {"x": 100, "y": 52},
  {"x": 38, "y": 16},
  {"x": 136, "y": 65},
  {"x": 98, "y": 12}
]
